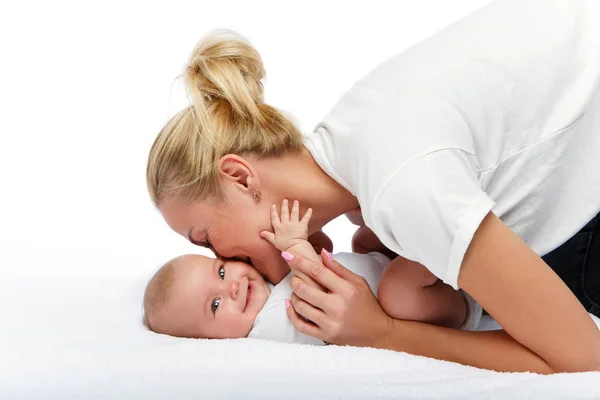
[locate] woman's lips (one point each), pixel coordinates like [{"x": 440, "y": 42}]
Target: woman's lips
[{"x": 249, "y": 294}]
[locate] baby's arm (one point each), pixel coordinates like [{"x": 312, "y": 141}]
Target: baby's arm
[
  {"x": 408, "y": 290},
  {"x": 291, "y": 232}
]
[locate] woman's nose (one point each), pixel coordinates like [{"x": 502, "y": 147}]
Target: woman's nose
[
  {"x": 234, "y": 288},
  {"x": 217, "y": 254}
]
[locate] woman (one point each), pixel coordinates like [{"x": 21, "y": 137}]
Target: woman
[{"x": 472, "y": 153}]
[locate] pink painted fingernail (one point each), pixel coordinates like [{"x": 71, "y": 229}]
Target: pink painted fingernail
[
  {"x": 327, "y": 255},
  {"x": 287, "y": 303},
  {"x": 287, "y": 256}
]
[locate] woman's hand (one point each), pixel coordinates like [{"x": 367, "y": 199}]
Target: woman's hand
[{"x": 345, "y": 313}]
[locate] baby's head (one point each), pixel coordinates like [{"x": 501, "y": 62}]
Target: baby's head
[{"x": 200, "y": 297}]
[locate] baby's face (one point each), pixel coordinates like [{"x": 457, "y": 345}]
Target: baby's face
[{"x": 213, "y": 298}]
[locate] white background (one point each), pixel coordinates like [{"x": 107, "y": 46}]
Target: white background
[{"x": 86, "y": 86}]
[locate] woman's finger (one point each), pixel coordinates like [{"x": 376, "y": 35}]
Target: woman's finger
[
  {"x": 310, "y": 294},
  {"x": 309, "y": 281},
  {"x": 302, "y": 325},
  {"x": 306, "y": 310},
  {"x": 315, "y": 270},
  {"x": 338, "y": 268}
]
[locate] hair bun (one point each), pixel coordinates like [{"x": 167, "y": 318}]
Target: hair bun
[{"x": 224, "y": 67}]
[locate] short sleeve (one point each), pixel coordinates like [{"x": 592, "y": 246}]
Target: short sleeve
[{"x": 430, "y": 209}]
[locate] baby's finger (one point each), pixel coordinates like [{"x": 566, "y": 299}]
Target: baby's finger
[
  {"x": 274, "y": 216},
  {"x": 295, "y": 211},
  {"x": 307, "y": 215},
  {"x": 285, "y": 211},
  {"x": 270, "y": 236}
]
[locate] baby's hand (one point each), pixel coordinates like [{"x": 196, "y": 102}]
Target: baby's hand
[{"x": 289, "y": 229}]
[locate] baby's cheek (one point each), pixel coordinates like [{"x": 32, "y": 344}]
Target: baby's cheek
[{"x": 235, "y": 326}]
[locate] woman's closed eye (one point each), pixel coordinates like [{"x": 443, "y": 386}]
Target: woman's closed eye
[
  {"x": 200, "y": 243},
  {"x": 208, "y": 242}
]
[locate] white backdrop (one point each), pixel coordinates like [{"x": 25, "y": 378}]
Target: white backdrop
[{"x": 86, "y": 86}]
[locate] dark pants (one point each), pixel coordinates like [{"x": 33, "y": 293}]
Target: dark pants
[{"x": 577, "y": 262}]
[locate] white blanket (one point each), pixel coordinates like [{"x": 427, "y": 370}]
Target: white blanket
[{"x": 85, "y": 341}]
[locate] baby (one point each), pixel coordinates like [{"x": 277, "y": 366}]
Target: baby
[{"x": 199, "y": 297}]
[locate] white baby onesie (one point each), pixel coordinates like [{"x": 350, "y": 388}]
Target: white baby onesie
[{"x": 272, "y": 322}]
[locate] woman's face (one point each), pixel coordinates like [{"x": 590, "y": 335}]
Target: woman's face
[{"x": 230, "y": 228}]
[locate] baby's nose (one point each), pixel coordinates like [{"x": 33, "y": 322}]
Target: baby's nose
[{"x": 234, "y": 289}]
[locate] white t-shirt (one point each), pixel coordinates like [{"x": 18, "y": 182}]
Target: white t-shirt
[
  {"x": 499, "y": 112},
  {"x": 272, "y": 322}
]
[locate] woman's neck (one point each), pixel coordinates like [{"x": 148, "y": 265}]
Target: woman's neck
[{"x": 299, "y": 177}]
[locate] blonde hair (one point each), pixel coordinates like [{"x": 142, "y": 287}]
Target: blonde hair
[{"x": 227, "y": 115}]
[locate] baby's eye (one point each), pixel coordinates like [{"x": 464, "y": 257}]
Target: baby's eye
[
  {"x": 215, "y": 304},
  {"x": 222, "y": 273}
]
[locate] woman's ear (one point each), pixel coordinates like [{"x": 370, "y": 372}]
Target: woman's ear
[{"x": 237, "y": 170}]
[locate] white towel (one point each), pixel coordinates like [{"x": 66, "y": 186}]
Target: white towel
[{"x": 85, "y": 341}]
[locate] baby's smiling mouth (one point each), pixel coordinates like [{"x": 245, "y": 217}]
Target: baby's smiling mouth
[{"x": 248, "y": 295}]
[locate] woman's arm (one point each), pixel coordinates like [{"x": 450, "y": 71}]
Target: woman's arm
[
  {"x": 547, "y": 330},
  {"x": 495, "y": 350},
  {"x": 528, "y": 299}
]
